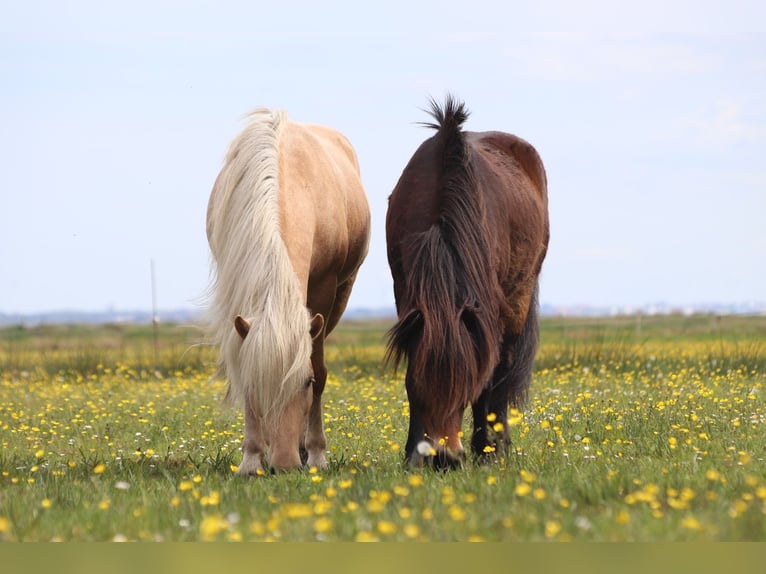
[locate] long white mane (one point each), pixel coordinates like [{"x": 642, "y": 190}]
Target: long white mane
[{"x": 253, "y": 275}]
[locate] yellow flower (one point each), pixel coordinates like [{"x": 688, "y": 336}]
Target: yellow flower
[
  {"x": 40, "y": 453},
  {"x": 552, "y": 528},
  {"x": 527, "y": 476},
  {"x": 104, "y": 504},
  {"x": 386, "y": 527},
  {"x": 5, "y": 525},
  {"x": 322, "y": 525},
  {"x": 523, "y": 489},
  {"x": 345, "y": 483},
  {"x": 297, "y": 510},
  {"x": 691, "y": 523},
  {"x": 456, "y": 513},
  {"x": 415, "y": 480},
  {"x": 538, "y": 494},
  {"x": 211, "y": 526},
  {"x": 185, "y": 485},
  {"x": 46, "y": 503},
  {"x": 364, "y": 536},
  {"x": 622, "y": 518},
  {"x": 99, "y": 468},
  {"x": 411, "y": 531},
  {"x": 491, "y": 480}
]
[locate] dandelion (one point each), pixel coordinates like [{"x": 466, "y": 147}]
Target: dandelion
[
  {"x": 552, "y": 528},
  {"x": 104, "y": 504},
  {"x": 538, "y": 494},
  {"x": 523, "y": 489},
  {"x": 5, "y": 525},
  {"x": 185, "y": 486},
  {"x": 297, "y": 510},
  {"x": 425, "y": 449},
  {"x": 622, "y": 517},
  {"x": 365, "y": 536},
  {"x": 212, "y": 526},
  {"x": 527, "y": 476},
  {"x": 691, "y": 523},
  {"x": 386, "y": 527},
  {"x": 491, "y": 480},
  {"x": 415, "y": 480},
  {"x": 46, "y": 503},
  {"x": 411, "y": 531},
  {"x": 515, "y": 417},
  {"x": 456, "y": 513},
  {"x": 344, "y": 484},
  {"x": 712, "y": 475},
  {"x": 322, "y": 525},
  {"x": 401, "y": 490},
  {"x": 99, "y": 468}
]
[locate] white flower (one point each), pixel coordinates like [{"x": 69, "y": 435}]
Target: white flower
[
  {"x": 122, "y": 485},
  {"x": 423, "y": 448}
]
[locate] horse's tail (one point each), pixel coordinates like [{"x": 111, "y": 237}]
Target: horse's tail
[{"x": 450, "y": 335}]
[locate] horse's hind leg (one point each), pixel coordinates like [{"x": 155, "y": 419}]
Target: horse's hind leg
[{"x": 509, "y": 384}]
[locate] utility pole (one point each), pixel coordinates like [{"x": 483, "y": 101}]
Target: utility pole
[{"x": 155, "y": 318}]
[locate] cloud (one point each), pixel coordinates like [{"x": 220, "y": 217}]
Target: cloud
[{"x": 728, "y": 123}]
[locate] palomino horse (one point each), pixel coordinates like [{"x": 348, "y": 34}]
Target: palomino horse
[
  {"x": 288, "y": 225},
  {"x": 467, "y": 232}
]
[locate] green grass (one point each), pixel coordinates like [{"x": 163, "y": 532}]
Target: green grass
[{"x": 634, "y": 432}]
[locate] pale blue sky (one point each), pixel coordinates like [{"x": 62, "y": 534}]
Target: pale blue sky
[{"x": 650, "y": 118}]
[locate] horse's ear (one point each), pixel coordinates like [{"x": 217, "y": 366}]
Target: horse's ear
[
  {"x": 242, "y": 326},
  {"x": 317, "y": 324}
]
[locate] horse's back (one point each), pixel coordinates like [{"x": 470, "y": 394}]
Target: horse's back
[
  {"x": 516, "y": 156},
  {"x": 324, "y": 211},
  {"x": 512, "y": 178}
]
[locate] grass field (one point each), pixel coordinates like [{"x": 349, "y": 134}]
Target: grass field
[{"x": 637, "y": 429}]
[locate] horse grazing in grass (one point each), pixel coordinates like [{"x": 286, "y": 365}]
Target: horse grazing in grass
[
  {"x": 467, "y": 232},
  {"x": 288, "y": 225}
]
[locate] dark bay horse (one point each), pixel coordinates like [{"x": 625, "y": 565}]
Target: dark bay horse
[
  {"x": 288, "y": 225},
  {"x": 467, "y": 231}
]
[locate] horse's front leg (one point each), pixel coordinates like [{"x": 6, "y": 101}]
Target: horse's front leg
[
  {"x": 315, "y": 442},
  {"x": 254, "y": 445}
]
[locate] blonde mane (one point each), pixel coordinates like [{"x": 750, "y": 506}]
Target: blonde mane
[{"x": 253, "y": 275}]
